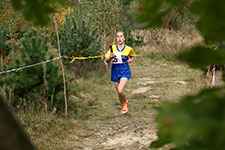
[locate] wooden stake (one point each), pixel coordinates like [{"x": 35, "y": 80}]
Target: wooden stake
[
  {"x": 2, "y": 62},
  {"x": 45, "y": 89},
  {"x": 213, "y": 76},
  {"x": 208, "y": 70},
  {"x": 62, "y": 67}
]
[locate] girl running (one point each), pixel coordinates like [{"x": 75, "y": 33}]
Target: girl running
[{"x": 121, "y": 56}]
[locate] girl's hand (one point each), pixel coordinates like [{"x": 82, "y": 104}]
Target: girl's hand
[
  {"x": 111, "y": 56},
  {"x": 130, "y": 60}
]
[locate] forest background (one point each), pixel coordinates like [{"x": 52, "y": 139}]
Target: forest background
[{"x": 86, "y": 28}]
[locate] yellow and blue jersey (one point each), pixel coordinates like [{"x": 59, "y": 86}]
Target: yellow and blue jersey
[
  {"x": 125, "y": 52},
  {"x": 120, "y": 68}
]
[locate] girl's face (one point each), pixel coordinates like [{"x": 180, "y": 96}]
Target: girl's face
[{"x": 120, "y": 38}]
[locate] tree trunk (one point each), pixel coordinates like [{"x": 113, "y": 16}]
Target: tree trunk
[
  {"x": 104, "y": 40},
  {"x": 12, "y": 45},
  {"x": 208, "y": 70},
  {"x": 62, "y": 67},
  {"x": 12, "y": 135},
  {"x": 52, "y": 96},
  {"x": 104, "y": 35}
]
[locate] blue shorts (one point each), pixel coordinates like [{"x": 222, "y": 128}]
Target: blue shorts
[{"x": 119, "y": 71}]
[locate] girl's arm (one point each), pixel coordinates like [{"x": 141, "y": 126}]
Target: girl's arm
[
  {"x": 111, "y": 54},
  {"x": 130, "y": 60},
  {"x": 108, "y": 60}
]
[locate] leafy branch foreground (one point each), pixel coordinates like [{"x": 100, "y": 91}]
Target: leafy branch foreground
[
  {"x": 196, "y": 122},
  {"x": 200, "y": 118}
]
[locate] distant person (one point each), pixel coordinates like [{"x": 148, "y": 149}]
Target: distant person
[{"x": 121, "y": 56}]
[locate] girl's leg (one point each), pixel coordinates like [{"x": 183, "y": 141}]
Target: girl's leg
[
  {"x": 122, "y": 84},
  {"x": 116, "y": 85}
]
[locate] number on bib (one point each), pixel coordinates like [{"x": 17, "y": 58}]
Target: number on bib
[
  {"x": 114, "y": 59},
  {"x": 117, "y": 59}
]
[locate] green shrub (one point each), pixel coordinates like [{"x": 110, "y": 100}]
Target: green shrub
[
  {"x": 196, "y": 122},
  {"x": 79, "y": 39},
  {"x": 38, "y": 85}
]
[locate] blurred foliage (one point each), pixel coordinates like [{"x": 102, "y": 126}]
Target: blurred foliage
[
  {"x": 211, "y": 21},
  {"x": 12, "y": 134},
  {"x": 202, "y": 56},
  {"x": 196, "y": 122},
  {"x": 131, "y": 39},
  {"x": 151, "y": 13},
  {"x": 27, "y": 87},
  {"x": 36, "y": 11},
  {"x": 171, "y": 14},
  {"x": 177, "y": 17}
]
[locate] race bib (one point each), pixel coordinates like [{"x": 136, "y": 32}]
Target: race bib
[{"x": 117, "y": 59}]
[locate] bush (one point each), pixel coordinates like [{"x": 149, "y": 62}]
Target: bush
[
  {"x": 196, "y": 122},
  {"x": 79, "y": 39},
  {"x": 36, "y": 86}
]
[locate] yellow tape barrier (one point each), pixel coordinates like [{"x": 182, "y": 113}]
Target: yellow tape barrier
[{"x": 79, "y": 58}]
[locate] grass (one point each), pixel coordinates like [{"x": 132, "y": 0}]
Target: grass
[{"x": 94, "y": 121}]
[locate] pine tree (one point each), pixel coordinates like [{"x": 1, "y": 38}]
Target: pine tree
[
  {"x": 78, "y": 38},
  {"x": 39, "y": 85}
]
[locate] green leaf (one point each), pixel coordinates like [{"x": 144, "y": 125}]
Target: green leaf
[
  {"x": 150, "y": 13},
  {"x": 196, "y": 122},
  {"x": 160, "y": 143},
  {"x": 211, "y": 21},
  {"x": 200, "y": 57},
  {"x": 36, "y": 11}
]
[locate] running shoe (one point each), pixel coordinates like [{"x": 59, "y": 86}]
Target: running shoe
[{"x": 124, "y": 108}]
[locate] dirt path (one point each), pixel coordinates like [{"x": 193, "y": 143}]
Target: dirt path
[{"x": 151, "y": 84}]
